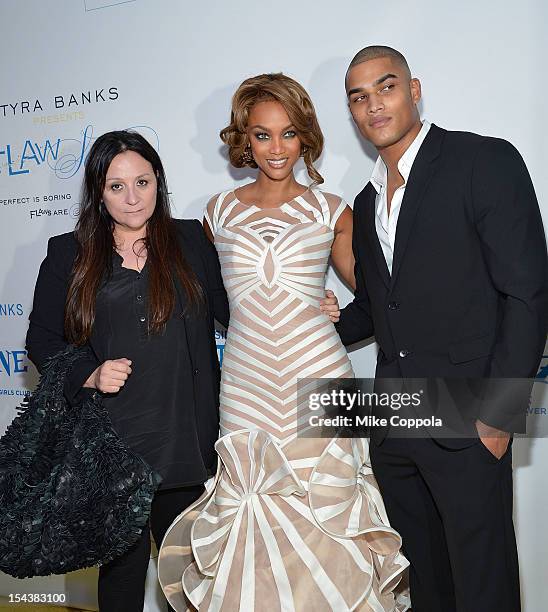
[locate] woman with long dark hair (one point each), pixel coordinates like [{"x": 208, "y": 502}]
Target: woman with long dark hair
[{"x": 141, "y": 290}]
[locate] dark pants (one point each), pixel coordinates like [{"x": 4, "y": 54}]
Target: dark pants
[
  {"x": 453, "y": 509},
  {"x": 122, "y": 581}
]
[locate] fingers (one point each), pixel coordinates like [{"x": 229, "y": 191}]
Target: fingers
[
  {"x": 110, "y": 389},
  {"x": 109, "y": 385},
  {"x": 112, "y": 375},
  {"x": 329, "y": 305},
  {"x": 332, "y": 312},
  {"x": 118, "y": 376},
  {"x": 330, "y": 299},
  {"x": 120, "y": 365},
  {"x": 117, "y": 371}
]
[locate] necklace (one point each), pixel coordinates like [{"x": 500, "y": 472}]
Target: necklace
[{"x": 124, "y": 251}]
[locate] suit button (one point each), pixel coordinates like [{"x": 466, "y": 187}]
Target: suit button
[
  {"x": 393, "y": 306},
  {"x": 404, "y": 353},
  {"x": 142, "y": 319},
  {"x": 196, "y": 372},
  {"x": 139, "y": 298}
]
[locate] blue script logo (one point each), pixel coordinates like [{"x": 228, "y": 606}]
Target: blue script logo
[
  {"x": 70, "y": 162},
  {"x": 32, "y": 155},
  {"x": 64, "y": 156},
  {"x": 13, "y": 362}
]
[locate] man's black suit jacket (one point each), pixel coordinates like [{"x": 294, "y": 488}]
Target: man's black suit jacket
[{"x": 468, "y": 294}]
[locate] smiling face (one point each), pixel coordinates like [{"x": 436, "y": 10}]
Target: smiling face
[
  {"x": 383, "y": 101},
  {"x": 275, "y": 145},
  {"x": 130, "y": 191}
]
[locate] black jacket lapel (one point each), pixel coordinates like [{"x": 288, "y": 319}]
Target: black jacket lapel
[{"x": 421, "y": 172}]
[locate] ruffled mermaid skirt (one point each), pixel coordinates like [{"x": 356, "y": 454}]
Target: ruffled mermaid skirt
[{"x": 295, "y": 528}]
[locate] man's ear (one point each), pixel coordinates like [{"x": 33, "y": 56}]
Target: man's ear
[{"x": 415, "y": 89}]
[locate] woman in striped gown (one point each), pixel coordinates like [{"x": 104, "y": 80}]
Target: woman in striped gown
[{"x": 291, "y": 522}]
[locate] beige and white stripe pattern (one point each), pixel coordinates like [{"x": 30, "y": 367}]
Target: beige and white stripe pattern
[
  {"x": 273, "y": 263},
  {"x": 291, "y": 524}
]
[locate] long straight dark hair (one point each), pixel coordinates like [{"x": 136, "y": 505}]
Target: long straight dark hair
[{"x": 94, "y": 233}]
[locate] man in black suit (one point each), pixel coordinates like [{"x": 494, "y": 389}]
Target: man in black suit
[{"x": 451, "y": 273}]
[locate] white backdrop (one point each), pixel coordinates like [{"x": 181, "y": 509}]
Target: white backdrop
[{"x": 73, "y": 69}]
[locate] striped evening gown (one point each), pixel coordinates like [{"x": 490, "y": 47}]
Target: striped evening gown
[{"x": 289, "y": 523}]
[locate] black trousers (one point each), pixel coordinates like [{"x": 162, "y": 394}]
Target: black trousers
[
  {"x": 453, "y": 509},
  {"x": 121, "y": 586}
]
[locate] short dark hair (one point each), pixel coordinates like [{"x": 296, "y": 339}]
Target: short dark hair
[{"x": 375, "y": 52}]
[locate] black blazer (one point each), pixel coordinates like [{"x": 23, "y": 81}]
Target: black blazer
[
  {"x": 468, "y": 295},
  {"x": 45, "y": 336}
]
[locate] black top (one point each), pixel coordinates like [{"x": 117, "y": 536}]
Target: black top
[
  {"x": 151, "y": 411},
  {"x": 168, "y": 409}
]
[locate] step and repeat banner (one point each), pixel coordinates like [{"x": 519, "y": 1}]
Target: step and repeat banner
[{"x": 74, "y": 69}]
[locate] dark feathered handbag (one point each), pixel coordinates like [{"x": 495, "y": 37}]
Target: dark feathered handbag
[{"x": 72, "y": 495}]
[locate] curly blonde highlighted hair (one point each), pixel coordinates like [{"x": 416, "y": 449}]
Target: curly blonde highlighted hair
[{"x": 298, "y": 106}]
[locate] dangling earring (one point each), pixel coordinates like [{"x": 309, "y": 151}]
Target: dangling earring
[
  {"x": 247, "y": 158},
  {"x": 304, "y": 149}
]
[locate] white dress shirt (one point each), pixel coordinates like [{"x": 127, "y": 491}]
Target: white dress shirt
[{"x": 385, "y": 223}]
